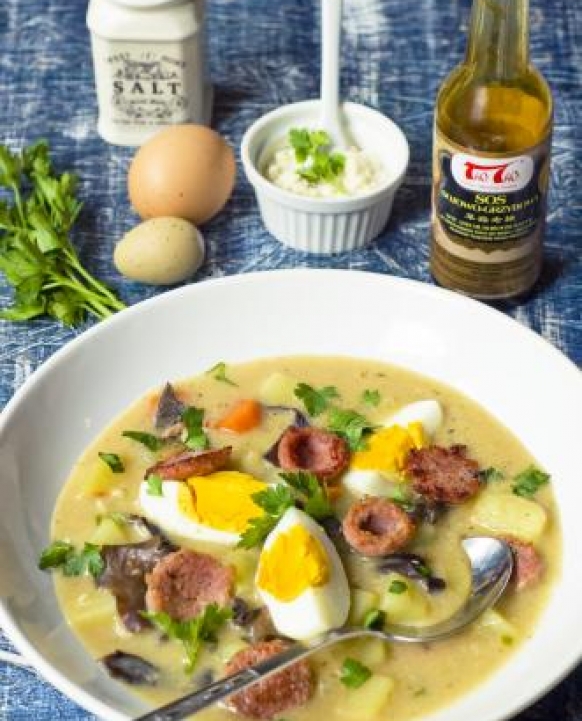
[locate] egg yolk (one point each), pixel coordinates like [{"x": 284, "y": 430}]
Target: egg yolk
[
  {"x": 294, "y": 562},
  {"x": 221, "y": 500},
  {"x": 387, "y": 449}
]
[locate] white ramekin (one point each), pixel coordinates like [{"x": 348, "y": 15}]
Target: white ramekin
[{"x": 325, "y": 225}]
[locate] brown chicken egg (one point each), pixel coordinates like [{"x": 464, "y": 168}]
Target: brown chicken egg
[{"x": 184, "y": 171}]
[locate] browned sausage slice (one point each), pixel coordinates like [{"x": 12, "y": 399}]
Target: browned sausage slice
[
  {"x": 312, "y": 449},
  {"x": 528, "y": 565},
  {"x": 191, "y": 463},
  {"x": 184, "y": 583},
  {"x": 377, "y": 527},
  {"x": 284, "y": 690},
  {"x": 444, "y": 475}
]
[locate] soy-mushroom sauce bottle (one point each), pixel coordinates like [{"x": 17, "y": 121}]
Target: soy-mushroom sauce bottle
[{"x": 491, "y": 155}]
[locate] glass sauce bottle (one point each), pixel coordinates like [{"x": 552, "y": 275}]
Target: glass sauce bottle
[{"x": 493, "y": 124}]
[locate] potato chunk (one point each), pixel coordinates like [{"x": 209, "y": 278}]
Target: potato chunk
[
  {"x": 509, "y": 515},
  {"x": 367, "y": 702}
]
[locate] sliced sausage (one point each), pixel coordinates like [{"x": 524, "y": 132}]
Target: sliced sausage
[
  {"x": 191, "y": 463},
  {"x": 324, "y": 454},
  {"x": 377, "y": 527},
  {"x": 444, "y": 475},
  {"x": 528, "y": 566},
  {"x": 284, "y": 690},
  {"x": 184, "y": 583}
]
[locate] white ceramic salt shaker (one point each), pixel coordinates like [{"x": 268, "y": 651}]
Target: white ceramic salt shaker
[{"x": 149, "y": 66}]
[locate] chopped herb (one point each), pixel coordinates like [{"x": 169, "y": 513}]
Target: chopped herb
[
  {"x": 153, "y": 443},
  {"x": 352, "y": 426},
  {"x": 315, "y": 501},
  {"x": 154, "y": 485},
  {"x": 528, "y": 482},
  {"x": 218, "y": 372},
  {"x": 375, "y": 618},
  {"x": 274, "y": 501},
  {"x": 192, "y": 633},
  {"x": 403, "y": 499},
  {"x": 194, "y": 436},
  {"x": 315, "y": 400},
  {"x": 37, "y": 256},
  {"x": 397, "y": 587},
  {"x": 313, "y": 152},
  {"x": 120, "y": 519},
  {"x": 55, "y": 555},
  {"x": 490, "y": 475},
  {"x": 371, "y": 397},
  {"x": 113, "y": 461},
  {"x": 354, "y": 674},
  {"x": 62, "y": 554}
]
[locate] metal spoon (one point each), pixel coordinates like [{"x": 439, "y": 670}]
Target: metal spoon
[{"x": 491, "y": 565}]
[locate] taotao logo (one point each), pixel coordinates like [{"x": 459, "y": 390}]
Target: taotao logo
[{"x": 492, "y": 175}]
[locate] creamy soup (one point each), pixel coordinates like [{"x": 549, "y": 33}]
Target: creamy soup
[{"x": 388, "y": 480}]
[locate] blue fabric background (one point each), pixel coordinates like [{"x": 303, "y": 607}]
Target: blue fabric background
[{"x": 264, "y": 53}]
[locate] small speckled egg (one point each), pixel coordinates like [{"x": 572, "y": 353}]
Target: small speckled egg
[
  {"x": 160, "y": 251},
  {"x": 186, "y": 171}
]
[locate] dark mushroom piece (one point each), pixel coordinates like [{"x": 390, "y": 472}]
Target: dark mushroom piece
[{"x": 131, "y": 669}]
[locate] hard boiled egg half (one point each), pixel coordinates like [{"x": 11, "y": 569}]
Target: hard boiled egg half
[
  {"x": 300, "y": 578},
  {"x": 216, "y": 508},
  {"x": 374, "y": 470}
]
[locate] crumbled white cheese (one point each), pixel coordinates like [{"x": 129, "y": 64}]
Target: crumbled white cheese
[{"x": 361, "y": 175}]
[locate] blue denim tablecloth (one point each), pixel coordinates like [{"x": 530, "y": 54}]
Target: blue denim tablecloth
[{"x": 264, "y": 53}]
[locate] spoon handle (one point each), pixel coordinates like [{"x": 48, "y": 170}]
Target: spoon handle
[
  {"x": 331, "y": 20},
  {"x": 219, "y": 690}
]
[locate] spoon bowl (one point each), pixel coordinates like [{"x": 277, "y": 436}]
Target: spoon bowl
[{"x": 491, "y": 564}]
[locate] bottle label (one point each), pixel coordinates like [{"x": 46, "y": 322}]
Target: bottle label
[{"x": 488, "y": 218}]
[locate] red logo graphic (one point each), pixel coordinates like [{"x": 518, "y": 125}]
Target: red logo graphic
[{"x": 484, "y": 174}]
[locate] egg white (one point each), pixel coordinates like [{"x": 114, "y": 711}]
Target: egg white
[
  {"x": 429, "y": 413},
  {"x": 317, "y": 609},
  {"x": 165, "y": 512},
  {"x": 371, "y": 482}
]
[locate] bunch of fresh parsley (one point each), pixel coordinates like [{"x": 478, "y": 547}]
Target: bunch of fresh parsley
[
  {"x": 317, "y": 163},
  {"x": 36, "y": 253}
]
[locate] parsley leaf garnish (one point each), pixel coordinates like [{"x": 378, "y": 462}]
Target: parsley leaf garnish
[
  {"x": 63, "y": 555},
  {"x": 113, "y": 461},
  {"x": 153, "y": 443},
  {"x": 490, "y": 475},
  {"x": 192, "y": 633},
  {"x": 194, "y": 436},
  {"x": 274, "y": 501},
  {"x": 315, "y": 501},
  {"x": 118, "y": 517},
  {"x": 354, "y": 674},
  {"x": 313, "y": 153},
  {"x": 154, "y": 485},
  {"x": 315, "y": 400},
  {"x": 37, "y": 256},
  {"x": 301, "y": 486},
  {"x": 218, "y": 372},
  {"x": 371, "y": 397},
  {"x": 397, "y": 587},
  {"x": 375, "y": 618},
  {"x": 529, "y": 481},
  {"x": 351, "y": 426}
]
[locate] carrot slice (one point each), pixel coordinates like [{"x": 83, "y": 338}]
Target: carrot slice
[{"x": 242, "y": 417}]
